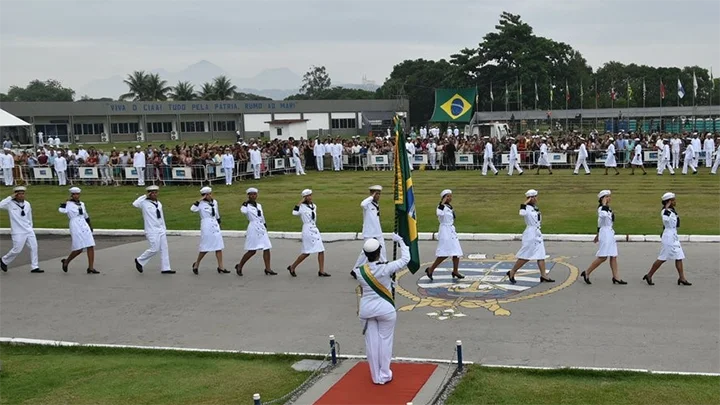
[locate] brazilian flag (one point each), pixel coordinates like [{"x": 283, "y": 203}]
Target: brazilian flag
[
  {"x": 405, "y": 216},
  {"x": 454, "y": 105}
]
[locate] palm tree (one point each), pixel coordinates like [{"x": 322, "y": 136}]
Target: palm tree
[
  {"x": 156, "y": 88},
  {"x": 224, "y": 89},
  {"x": 137, "y": 83},
  {"x": 207, "y": 92},
  {"x": 183, "y": 91}
]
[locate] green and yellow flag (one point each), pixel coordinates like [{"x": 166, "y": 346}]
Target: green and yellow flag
[
  {"x": 405, "y": 215},
  {"x": 453, "y": 105}
]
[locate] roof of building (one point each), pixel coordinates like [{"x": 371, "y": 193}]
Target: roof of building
[{"x": 289, "y": 121}]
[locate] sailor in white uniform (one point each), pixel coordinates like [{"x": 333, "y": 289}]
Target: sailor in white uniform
[
  {"x": 543, "y": 158},
  {"x": 155, "y": 230},
  {"x": 311, "y": 238},
  {"x": 709, "y": 148},
  {"x": 610, "y": 160},
  {"x": 81, "y": 231},
  {"x": 377, "y": 306},
  {"x": 7, "y": 164},
  {"x": 255, "y": 161},
  {"x": 488, "y": 157},
  {"x": 319, "y": 152},
  {"x": 448, "y": 242},
  {"x": 432, "y": 155},
  {"x": 61, "y": 168},
  {"x": 21, "y": 229},
  {"x": 256, "y": 236},
  {"x": 514, "y": 158},
  {"x": 410, "y": 150},
  {"x": 664, "y": 159},
  {"x": 714, "y": 168},
  {"x": 533, "y": 246},
  {"x": 606, "y": 237},
  {"x": 637, "y": 160},
  {"x": 689, "y": 158},
  {"x": 139, "y": 165},
  {"x": 296, "y": 159},
  {"x": 211, "y": 239},
  {"x": 228, "y": 165},
  {"x": 371, "y": 225},
  {"x": 671, "y": 249}
]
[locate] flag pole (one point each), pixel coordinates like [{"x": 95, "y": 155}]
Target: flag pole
[
  {"x": 597, "y": 96},
  {"x": 582, "y": 95},
  {"x": 567, "y": 96}
]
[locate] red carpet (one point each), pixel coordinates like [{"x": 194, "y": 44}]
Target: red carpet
[{"x": 356, "y": 386}]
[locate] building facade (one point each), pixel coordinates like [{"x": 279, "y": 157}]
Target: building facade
[{"x": 118, "y": 121}]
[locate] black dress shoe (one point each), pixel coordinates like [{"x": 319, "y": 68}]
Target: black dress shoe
[
  {"x": 585, "y": 277},
  {"x": 648, "y": 279},
  {"x": 138, "y": 266},
  {"x": 458, "y": 276},
  {"x": 683, "y": 282},
  {"x": 168, "y": 272},
  {"x": 429, "y": 275},
  {"x": 37, "y": 271},
  {"x": 194, "y": 269},
  {"x": 92, "y": 271},
  {"x": 353, "y": 275},
  {"x": 512, "y": 279},
  {"x": 546, "y": 280},
  {"x": 3, "y": 266},
  {"x": 238, "y": 270},
  {"x": 323, "y": 274},
  {"x": 224, "y": 271},
  {"x": 292, "y": 272},
  {"x": 616, "y": 281},
  {"x": 270, "y": 273},
  {"x": 64, "y": 265}
]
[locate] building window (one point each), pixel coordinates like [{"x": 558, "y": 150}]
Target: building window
[
  {"x": 192, "y": 126},
  {"x": 88, "y": 129},
  {"x": 342, "y": 123},
  {"x": 278, "y": 131},
  {"x": 124, "y": 127},
  {"x": 159, "y": 127},
  {"x": 224, "y": 126}
]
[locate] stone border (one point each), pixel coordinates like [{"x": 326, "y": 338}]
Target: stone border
[{"x": 423, "y": 236}]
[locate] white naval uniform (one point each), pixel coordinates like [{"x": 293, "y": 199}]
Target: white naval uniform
[
  {"x": 582, "y": 159},
  {"x": 697, "y": 147},
  {"x": 319, "y": 152},
  {"x": 689, "y": 159},
  {"x": 298, "y": 163},
  {"x": 7, "y": 164},
  {"x": 211, "y": 239},
  {"x": 410, "y": 150},
  {"x": 336, "y": 153},
  {"x": 21, "y": 230},
  {"x": 431, "y": 147},
  {"x": 311, "y": 238},
  {"x": 664, "y": 160},
  {"x": 606, "y": 233},
  {"x": 671, "y": 249},
  {"x": 714, "y": 168},
  {"x": 709, "y": 148},
  {"x": 448, "y": 242},
  {"x": 61, "y": 170},
  {"x": 378, "y": 317},
  {"x": 543, "y": 159},
  {"x": 228, "y": 164},
  {"x": 637, "y": 156},
  {"x": 488, "y": 159},
  {"x": 513, "y": 160},
  {"x": 371, "y": 229},
  {"x": 256, "y": 237},
  {"x": 610, "y": 159},
  {"x": 155, "y": 232},
  {"x": 533, "y": 246},
  {"x": 80, "y": 232},
  {"x": 139, "y": 165},
  {"x": 255, "y": 162},
  {"x": 675, "y": 142}
]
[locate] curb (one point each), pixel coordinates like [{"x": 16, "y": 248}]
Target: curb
[{"x": 423, "y": 236}]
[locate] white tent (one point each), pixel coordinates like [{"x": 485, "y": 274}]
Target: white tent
[{"x": 9, "y": 120}]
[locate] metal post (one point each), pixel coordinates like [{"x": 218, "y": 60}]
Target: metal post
[
  {"x": 332, "y": 350},
  {"x": 256, "y": 399},
  {"x": 459, "y": 354}
]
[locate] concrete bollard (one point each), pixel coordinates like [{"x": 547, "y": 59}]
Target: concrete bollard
[
  {"x": 459, "y": 354},
  {"x": 256, "y": 399},
  {"x": 333, "y": 352}
]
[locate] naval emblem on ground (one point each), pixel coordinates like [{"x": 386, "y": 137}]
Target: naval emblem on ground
[{"x": 485, "y": 285}]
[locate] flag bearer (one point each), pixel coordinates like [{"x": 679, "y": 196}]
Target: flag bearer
[
  {"x": 311, "y": 238},
  {"x": 448, "y": 242},
  {"x": 81, "y": 230},
  {"x": 371, "y": 225},
  {"x": 606, "y": 237},
  {"x": 211, "y": 239},
  {"x": 670, "y": 248},
  {"x": 533, "y": 246},
  {"x": 256, "y": 237},
  {"x": 21, "y": 229},
  {"x": 155, "y": 230}
]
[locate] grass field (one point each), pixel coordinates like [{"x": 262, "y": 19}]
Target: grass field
[
  {"x": 483, "y": 204},
  {"x": 67, "y": 375},
  {"x": 512, "y": 386}
]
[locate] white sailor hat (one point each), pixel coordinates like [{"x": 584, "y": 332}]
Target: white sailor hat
[
  {"x": 251, "y": 190},
  {"x": 445, "y": 192},
  {"x": 543, "y": 138},
  {"x": 152, "y": 188},
  {"x": 205, "y": 190},
  {"x": 531, "y": 193},
  {"x": 306, "y": 192},
  {"x": 375, "y": 188},
  {"x": 137, "y": 147},
  {"x": 74, "y": 190},
  {"x": 611, "y": 139},
  {"x": 19, "y": 189},
  {"x": 604, "y": 193},
  {"x": 637, "y": 139},
  {"x": 486, "y": 137},
  {"x": 254, "y": 144},
  {"x": 668, "y": 196},
  {"x": 371, "y": 245}
]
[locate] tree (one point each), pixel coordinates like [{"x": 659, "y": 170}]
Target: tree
[
  {"x": 49, "y": 90},
  {"x": 183, "y": 91},
  {"x": 336, "y": 93},
  {"x": 223, "y": 89},
  {"x": 315, "y": 81},
  {"x": 137, "y": 85},
  {"x": 88, "y": 98},
  {"x": 248, "y": 96},
  {"x": 207, "y": 92},
  {"x": 156, "y": 89}
]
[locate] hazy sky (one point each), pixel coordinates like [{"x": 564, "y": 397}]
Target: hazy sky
[{"x": 76, "y": 41}]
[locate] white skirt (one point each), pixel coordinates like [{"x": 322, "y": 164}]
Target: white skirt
[
  {"x": 211, "y": 239},
  {"x": 257, "y": 237},
  {"x": 448, "y": 242},
  {"x": 610, "y": 161},
  {"x": 311, "y": 240},
  {"x": 607, "y": 244},
  {"x": 533, "y": 246},
  {"x": 81, "y": 235},
  {"x": 637, "y": 160},
  {"x": 671, "y": 252},
  {"x": 542, "y": 161}
]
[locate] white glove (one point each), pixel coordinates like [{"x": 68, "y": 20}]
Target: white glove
[{"x": 397, "y": 238}]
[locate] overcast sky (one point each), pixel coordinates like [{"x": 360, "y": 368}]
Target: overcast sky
[{"x": 76, "y": 41}]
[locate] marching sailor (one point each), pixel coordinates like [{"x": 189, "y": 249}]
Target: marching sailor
[
  {"x": 211, "y": 239},
  {"x": 81, "y": 230},
  {"x": 606, "y": 237},
  {"x": 377, "y": 306},
  {"x": 311, "y": 238},
  {"x": 256, "y": 236},
  {"x": 513, "y": 158},
  {"x": 610, "y": 160},
  {"x": 689, "y": 158},
  {"x": 448, "y": 242},
  {"x": 155, "y": 230},
  {"x": 21, "y": 229},
  {"x": 296, "y": 159},
  {"x": 664, "y": 159},
  {"x": 671, "y": 249},
  {"x": 371, "y": 225},
  {"x": 488, "y": 157},
  {"x": 637, "y": 159},
  {"x": 714, "y": 168},
  {"x": 582, "y": 157},
  {"x": 543, "y": 159},
  {"x": 533, "y": 246},
  {"x": 228, "y": 164}
]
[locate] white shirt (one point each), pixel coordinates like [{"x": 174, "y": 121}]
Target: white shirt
[
  {"x": 318, "y": 149},
  {"x": 255, "y": 157},
  {"x": 19, "y": 224},
  {"x": 513, "y": 152},
  {"x": 543, "y": 149},
  {"x": 666, "y": 152},
  {"x": 151, "y": 210},
  {"x": 696, "y": 144},
  {"x": 489, "y": 150},
  {"x": 611, "y": 149},
  {"x": 690, "y": 151},
  {"x": 638, "y": 151},
  {"x": 296, "y": 152},
  {"x": 709, "y": 145},
  {"x": 583, "y": 151},
  {"x": 431, "y": 147},
  {"x": 371, "y": 218},
  {"x": 675, "y": 142},
  {"x": 139, "y": 159},
  {"x": 410, "y": 148},
  {"x": 228, "y": 161},
  {"x": 371, "y": 304},
  {"x": 7, "y": 161}
]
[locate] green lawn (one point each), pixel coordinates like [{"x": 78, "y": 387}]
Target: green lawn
[
  {"x": 515, "y": 386},
  {"x": 483, "y": 204},
  {"x": 72, "y": 375}
]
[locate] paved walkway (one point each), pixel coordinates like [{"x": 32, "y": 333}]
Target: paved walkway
[{"x": 568, "y": 323}]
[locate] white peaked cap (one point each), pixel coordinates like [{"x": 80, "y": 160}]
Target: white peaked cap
[
  {"x": 251, "y": 190},
  {"x": 75, "y": 190},
  {"x": 668, "y": 196},
  {"x": 637, "y": 139},
  {"x": 611, "y": 138},
  {"x": 205, "y": 190},
  {"x": 445, "y": 192},
  {"x": 152, "y": 188},
  {"x": 604, "y": 193},
  {"x": 19, "y": 189},
  {"x": 375, "y": 188},
  {"x": 306, "y": 192},
  {"x": 531, "y": 193},
  {"x": 371, "y": 245}
]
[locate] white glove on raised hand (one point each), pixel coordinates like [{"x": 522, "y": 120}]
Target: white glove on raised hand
[{"x": 396, "y": 238}]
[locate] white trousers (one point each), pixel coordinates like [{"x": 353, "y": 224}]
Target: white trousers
[
  {"x": 362, "y": 259},
  {"x": 20, "y": 240},
  {"x": 141, "y": 175},
  {"x": 336, "y": 163},
  {"x": 228, "y": 175},
  {"x": 513, "y": 164},
  {"x": 675, "y": 159},
  {"x": 298, "y": 166},
  {"x": 410, "y": 161},
  {"x": 581, "y": 162},
  {"x": 487, "y": 161},
  {"x": 256, "y": 171},
  {"x": 8, "y": 177},
  {"x": 431, "y": 160},
  {"x": 689, "y": 162},
  {"x": 665, "y": 164},
  {"x": 715, "y": 165},
  {"x": 158, "y": 244},
  {"x": 319, "y": 162},
  {"x": 62, "y": 177},
  {"x": 379, "y": 335},
  {"x": 708, "y": 158}
]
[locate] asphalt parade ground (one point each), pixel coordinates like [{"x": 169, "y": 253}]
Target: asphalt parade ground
[{"x": 664, "y": 327}]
